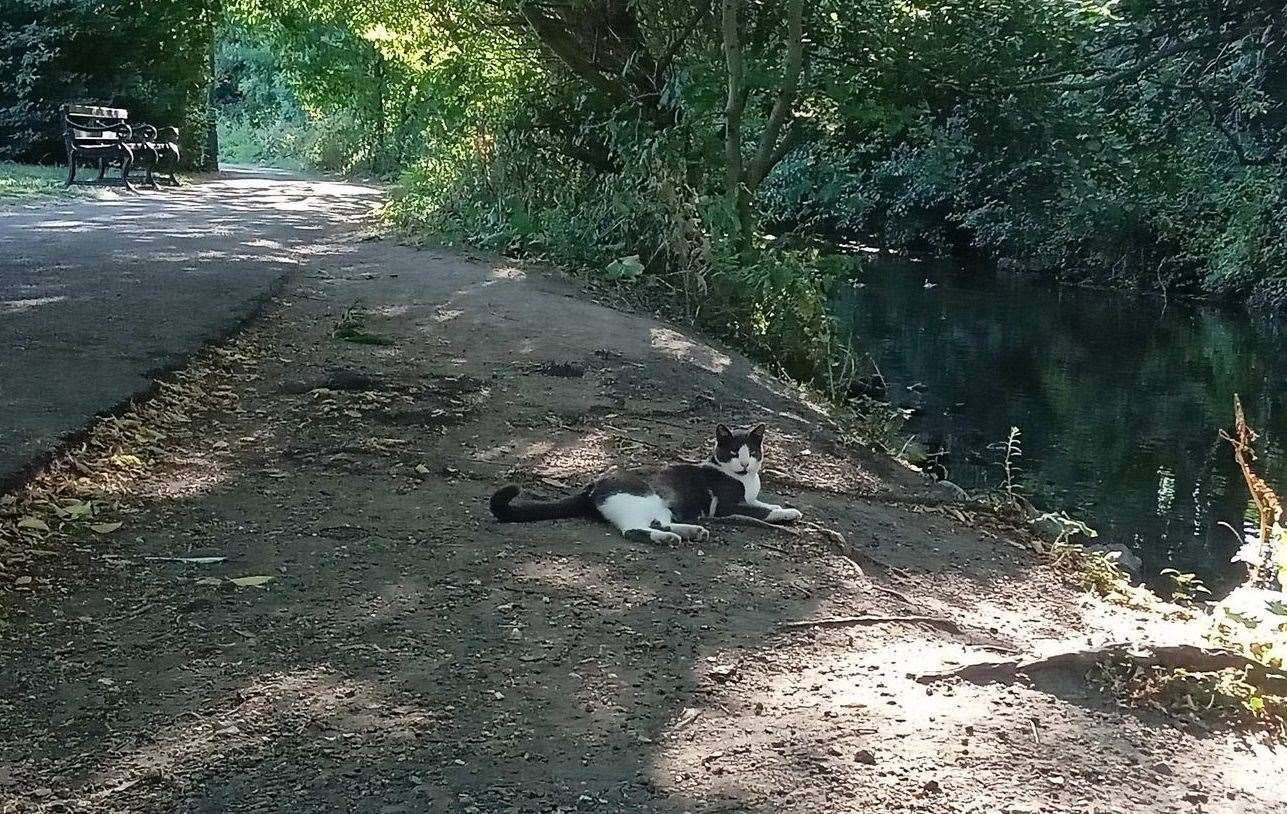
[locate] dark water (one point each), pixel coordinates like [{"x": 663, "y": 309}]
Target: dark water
[{"x": 1119, "y": 400}]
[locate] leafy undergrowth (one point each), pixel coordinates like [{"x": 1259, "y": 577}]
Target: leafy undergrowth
[
  {"x": 1100, "y": 574},
  {"x": 89, "y": 487},
  {"x": 1225, "y": 698}
]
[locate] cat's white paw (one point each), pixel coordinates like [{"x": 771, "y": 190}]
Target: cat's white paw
[
  {"x": 784, "y": 515},
  {"x": 702, "y": 534},
  {"x": 665, "y": 537}
]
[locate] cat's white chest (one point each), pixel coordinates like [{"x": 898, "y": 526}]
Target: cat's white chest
[{"x": 751, "y": 483}]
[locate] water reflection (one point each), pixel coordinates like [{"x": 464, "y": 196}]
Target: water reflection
[{"x": 1120, "y": 401}]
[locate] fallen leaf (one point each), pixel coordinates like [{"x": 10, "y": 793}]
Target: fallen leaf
[
  {"x": 252, "y": 582},
  {"x": 193, "y": 560},
  {"x": 104, "y": 528},
  {"x": 33, "y": 523}
]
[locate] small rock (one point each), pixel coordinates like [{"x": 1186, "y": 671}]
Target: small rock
[
  {"x": 1196, "y": 797},
  {"x": 229, "y": 730},
  {"x": 20, "y": 581},
  {"x": 723, "y": 672},
  {"x": 1163, "y": 768},
  {"x": 865, "y": 756},
  {"x": 932, "y": 787}
]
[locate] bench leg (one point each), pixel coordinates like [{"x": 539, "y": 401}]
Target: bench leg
[
  {"x": 174, "y": 164},
  {"x": 71, "y": 170},
  {"x": 102, "y": 168},
  {"x": 127, "y": 160}
]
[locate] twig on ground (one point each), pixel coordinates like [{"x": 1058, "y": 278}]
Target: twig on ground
[
  {"x": 844, "y": 621},
  {"x": 1180, "y": 656},
  {"x": 975, "y": 638},
  {"x": 745, "y": 520},
  {"x": 891, "y": 592}
]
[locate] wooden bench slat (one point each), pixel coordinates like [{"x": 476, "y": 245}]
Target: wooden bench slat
[{"x": 102, "y": 112}]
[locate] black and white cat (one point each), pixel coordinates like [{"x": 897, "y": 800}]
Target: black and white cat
[{"x": 662, "y": 506}]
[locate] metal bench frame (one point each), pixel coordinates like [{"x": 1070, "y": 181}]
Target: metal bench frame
[{"x": 103, "y": 136}]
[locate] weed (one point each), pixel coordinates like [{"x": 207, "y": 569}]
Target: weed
[{"x": 351, "y": 327}]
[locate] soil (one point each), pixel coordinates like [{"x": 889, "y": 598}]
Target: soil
[{"x": 411, "y": 655}]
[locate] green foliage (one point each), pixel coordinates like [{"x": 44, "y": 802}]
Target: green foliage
[
  {"x": 150, "y": 57},
  {"x": 1185, "y": 587}
]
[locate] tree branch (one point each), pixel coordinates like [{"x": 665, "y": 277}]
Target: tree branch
[
  {"x": 664, "y": 61},
  {"x": 736, "y": 103},
  {"x": 765, "y": 152}
]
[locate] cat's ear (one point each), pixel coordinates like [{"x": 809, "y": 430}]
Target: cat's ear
[
  {"x": 723, "y": 434},
  {"x": 757, "y": 434}
]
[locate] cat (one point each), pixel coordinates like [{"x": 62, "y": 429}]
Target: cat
[{"x": 662, "y": 506}]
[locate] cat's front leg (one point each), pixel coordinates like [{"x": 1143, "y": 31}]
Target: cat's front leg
[
  {"x": 767, "y": 512},
  {"x": 690, "y": 532},
  {"x": 776, "y": 513}
]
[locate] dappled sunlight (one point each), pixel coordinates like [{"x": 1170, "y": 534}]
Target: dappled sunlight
[
  {"x": 510, "y": 273},
  {"x": 575, "y": 576},
  {"x": 391, "y": 601},
  {"x": 15, "y": 306},
  {"x": 679, "y": 347},
  {"x": 579, "y": 459},
  {"x": 189, "y": 476},
  {"x": 309, "y": 704},
  {"x": 514, "y": 452}
]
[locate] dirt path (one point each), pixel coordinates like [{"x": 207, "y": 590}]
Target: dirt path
[
  {"x": 409, "y": 655},
  {"x": 97, "y": 297}
]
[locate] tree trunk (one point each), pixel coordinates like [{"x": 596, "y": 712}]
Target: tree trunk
[
  {"x": 742, "y": 179},
  {"x": 211, "y": 162}
]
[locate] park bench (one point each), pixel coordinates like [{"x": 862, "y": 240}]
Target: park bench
[{"x": 104, "y": 137}]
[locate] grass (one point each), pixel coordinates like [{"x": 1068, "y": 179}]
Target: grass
[{"x": 27, "y": 182}]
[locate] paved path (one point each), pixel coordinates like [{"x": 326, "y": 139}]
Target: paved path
[{"x": 99, "y": 296}]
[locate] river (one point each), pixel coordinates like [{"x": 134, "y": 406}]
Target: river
[{"x": 1119, "y": 400}]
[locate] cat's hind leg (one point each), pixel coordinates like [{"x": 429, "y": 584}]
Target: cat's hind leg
[{"x": 640, "y": 517}]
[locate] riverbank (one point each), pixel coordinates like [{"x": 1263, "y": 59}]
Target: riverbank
[
  {"x": 351, "y": 631},
  {"x": 1119, "y": 402}
]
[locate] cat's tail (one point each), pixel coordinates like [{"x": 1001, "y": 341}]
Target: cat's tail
[{"x": 578, "y": 505}]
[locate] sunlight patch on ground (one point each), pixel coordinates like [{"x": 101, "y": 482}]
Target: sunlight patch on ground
[
  {"x": 254, "y": 718},
  {"x": 14, "y": 306},
  {"x": 508, "y": 273},
  {"x": 514, "y": 453},
  {"x": 787, "y": 725},
  {"x": 579, "y": 459},
  {"x": 677, "y": 346},
  {"x": 187, "y": 477},
  {"x": 574, "y": 576}
]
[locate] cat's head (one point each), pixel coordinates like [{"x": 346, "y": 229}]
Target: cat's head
[{"x": 739, "y": 452}]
